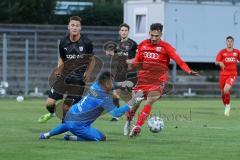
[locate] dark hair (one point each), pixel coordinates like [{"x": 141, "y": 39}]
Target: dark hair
[
  {"x": 156, "y": 26},
  {"x": 75, "y": 18},
  {"x": 230, "y": 37},
  {"x": 104, "y": 76},
  {"x": 124, "y": 25}
]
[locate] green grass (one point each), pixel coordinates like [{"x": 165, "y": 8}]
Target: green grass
[{"x": 194, "y": 129}]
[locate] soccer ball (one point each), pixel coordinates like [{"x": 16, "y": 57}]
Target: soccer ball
[
  {"x": 19, "y": 98},
  {"x": 155, "y": 124}
]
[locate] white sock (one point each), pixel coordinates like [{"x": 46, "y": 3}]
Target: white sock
[
  {"x": 73, "y": 138},
  {"x": 47, "y": 134},
  {"x": 227, "y": 106}
]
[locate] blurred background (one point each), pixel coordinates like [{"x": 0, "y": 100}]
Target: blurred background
[{"x": 30, "y": 31}]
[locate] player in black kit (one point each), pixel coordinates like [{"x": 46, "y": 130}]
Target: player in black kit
[
  {"x": 72, "y": 48},
  {"x": 124, "y": 50}
]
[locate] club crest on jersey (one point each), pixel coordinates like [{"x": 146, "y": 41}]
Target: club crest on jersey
[
  {"x": 127, "y": 48},
  {"x": 235, "y": 54},
  {"x": 144, "y": 47},
  {"x": 80, "y": 48},
  {"x": 158, "y": 49}
]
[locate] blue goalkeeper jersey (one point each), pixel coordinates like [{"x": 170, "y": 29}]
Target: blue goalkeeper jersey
[{"x": 90, "y": 107}]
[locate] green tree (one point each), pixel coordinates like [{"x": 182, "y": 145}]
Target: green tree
[
  {"x": 26, "y": 11},
  {"x": 108, "y": 15}
]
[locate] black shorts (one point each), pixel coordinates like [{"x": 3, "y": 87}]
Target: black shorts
[{"x": 56, "y": 96}]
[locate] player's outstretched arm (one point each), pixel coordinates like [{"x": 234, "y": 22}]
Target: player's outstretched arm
[
  {"x": 123, "y": 84},
  {"x": 136, "y": 99}
]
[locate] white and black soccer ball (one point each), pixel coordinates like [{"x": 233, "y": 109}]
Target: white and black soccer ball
[
  {"x": 155, "y": 124},
  {"x": 19, "y": 98}
]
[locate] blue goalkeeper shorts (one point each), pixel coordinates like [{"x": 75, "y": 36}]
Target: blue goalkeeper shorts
[{"x": 85, "y": 131}]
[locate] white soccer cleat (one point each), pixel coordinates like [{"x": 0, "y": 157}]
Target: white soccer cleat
[
  {"x": 126, "y": 128},
  {"x": 227, "y": 110}
]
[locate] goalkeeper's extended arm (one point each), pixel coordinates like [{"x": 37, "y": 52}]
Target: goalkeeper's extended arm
[
  {"x": 135, "y": 100},
  {"x": 118, "y": 112},
  {"x": 123, "y": 84}
]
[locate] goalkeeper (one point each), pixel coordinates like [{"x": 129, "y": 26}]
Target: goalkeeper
[{"x": 98, "y": 100}]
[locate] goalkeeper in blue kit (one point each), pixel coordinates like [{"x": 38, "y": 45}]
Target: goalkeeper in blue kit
[{"x": 98, "y": 100}]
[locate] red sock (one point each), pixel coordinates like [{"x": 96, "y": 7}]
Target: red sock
[
  {"x": 143, "y": 115},
  {"x": 227, "y": 98}
]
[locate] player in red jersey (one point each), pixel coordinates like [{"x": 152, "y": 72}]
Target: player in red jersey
[
  {"x": 152, "y": 60},
  {"x": 227, "y": 60}
]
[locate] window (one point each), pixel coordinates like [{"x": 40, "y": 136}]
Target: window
[
  {"x": 140, "y": 21},
  {"x": 140, "y": 24}
]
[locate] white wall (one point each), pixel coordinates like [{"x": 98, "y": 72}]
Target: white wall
[
  {"x": 154, "y": 11},
  {"x": 198, "y": 31}
]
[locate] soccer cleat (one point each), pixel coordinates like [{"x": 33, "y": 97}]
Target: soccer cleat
[
  {"x": 114, "y": 119},
  {"x": 227, "y": 111},
  {"x": 42, "y": 136},
  {"x": 45, "y": 118},
  {"x": 126, "y": 128},
  {"x": 135, "y": 131},
  {"x": 66, "y": 137}
]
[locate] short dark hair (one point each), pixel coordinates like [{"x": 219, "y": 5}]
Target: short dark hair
[
  {"x": 156, "y": 26},
  {"x": 124, "y": 25},
  {"x": 230, "y": 37},
  {"x": 75, "y": 18},
  {"x": 104, "y": 76}
]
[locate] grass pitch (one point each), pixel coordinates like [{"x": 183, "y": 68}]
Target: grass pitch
[{"x": 194, "y": 129}]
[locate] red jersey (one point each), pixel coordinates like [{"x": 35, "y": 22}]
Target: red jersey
[
  {"x": 230, "y": 60},
  {"x": 154, "y": 61}
]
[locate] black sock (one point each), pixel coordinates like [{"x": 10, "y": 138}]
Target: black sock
[
  {"x": 51, "y": 108},
  {"x": 116, "y": 102}
]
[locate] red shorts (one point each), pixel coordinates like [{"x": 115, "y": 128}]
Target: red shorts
[
  {"x": 226, "y": 80},
  {"x": 148, "y": 88}
]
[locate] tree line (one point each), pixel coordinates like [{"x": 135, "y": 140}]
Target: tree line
[{"x": 42, "y": 12}]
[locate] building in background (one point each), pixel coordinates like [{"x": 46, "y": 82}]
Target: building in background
[
  {"x": 69, "y": 7},
  {"x": 197, "y": 28}
]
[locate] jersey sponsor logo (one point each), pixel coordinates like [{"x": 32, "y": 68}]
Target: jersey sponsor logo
[
  {"x": 230, "y": 59},
  {"x": 73, "y": 56},
  {"x": 151, "y": 55},
  {"x": 122, "y": 53}
]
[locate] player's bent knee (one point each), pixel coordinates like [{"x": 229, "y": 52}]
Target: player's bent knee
[
  {"x": 227, "y": 89},
  {"x": 151, "y": 100},
  {"x": 50, "y": 102}
]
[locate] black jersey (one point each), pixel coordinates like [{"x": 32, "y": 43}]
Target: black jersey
[
  {"x": 73, "y": 50},
  {"x": 119, "y": 67},
  {"x": 69, "y": 50}
]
